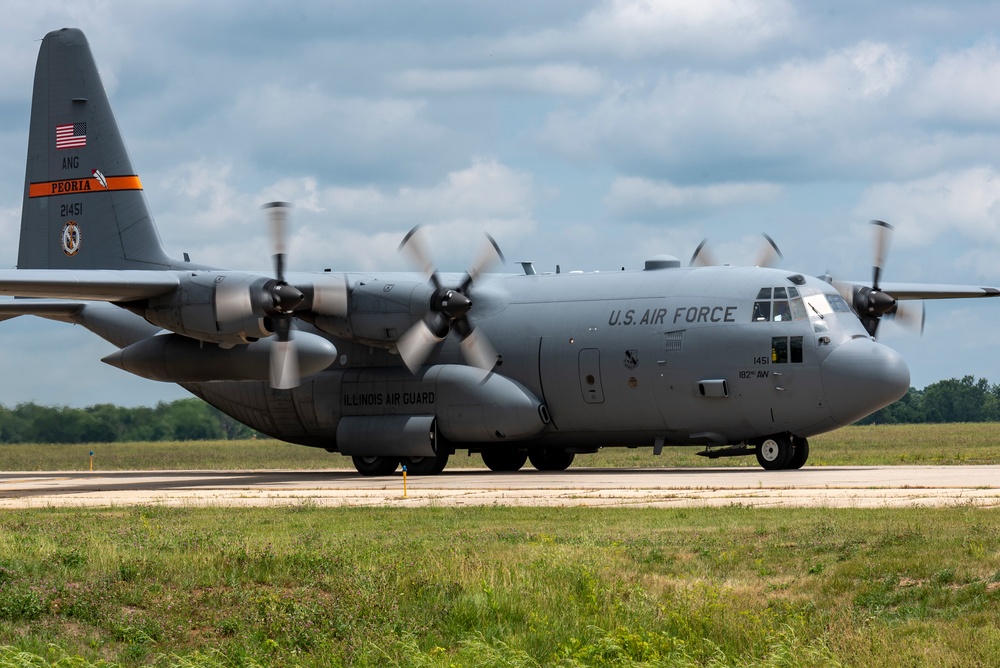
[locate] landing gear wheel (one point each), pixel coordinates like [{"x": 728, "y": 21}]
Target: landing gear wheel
[
  {"x": 376, "y": 466},
  {"x": 551, "y": 459},
  {"x": 800, "y": 453},
  {"x": 501, "y": 460},
  {"x": 774, "y": 452},
  {"x": 425, "y": 465}
]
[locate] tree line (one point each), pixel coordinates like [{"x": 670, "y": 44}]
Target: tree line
[
  {"x": 952, "y": 400},
  {"x": 181, "y": 420}
]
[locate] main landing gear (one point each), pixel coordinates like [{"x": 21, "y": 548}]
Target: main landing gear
[
  {"x": 382, "y": 466},
  {"x": 782, "y": 452},
  {"x": 503, "y": 460}
]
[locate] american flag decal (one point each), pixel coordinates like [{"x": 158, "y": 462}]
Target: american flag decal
[{"x": 71, "y": 135}]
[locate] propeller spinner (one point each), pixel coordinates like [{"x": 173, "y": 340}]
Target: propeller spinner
[{"x": 448, "y": 310}]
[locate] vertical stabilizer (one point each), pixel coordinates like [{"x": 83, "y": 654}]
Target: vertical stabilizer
[{"x": 83, "y": 202}]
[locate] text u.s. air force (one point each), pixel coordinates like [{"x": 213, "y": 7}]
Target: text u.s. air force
[{"x": 682, "y": 314}]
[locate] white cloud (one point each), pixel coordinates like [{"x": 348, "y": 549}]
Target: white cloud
[
  {"x": 486, "y": 190},
  {"x": 10, "y": 225},
  {"x": 966, "y": 202},
  {"x": 961, "y": 86},
  {"x": 552, "y": 79},
  {"x": 343, "y": 227},
  {"x": 308, "y": 127},
  {"x": 637, "y": 195},
  {"x": 796, "y": 117},
  {"x": 714, "y": 29}
]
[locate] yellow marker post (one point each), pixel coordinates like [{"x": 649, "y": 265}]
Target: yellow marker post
[
  {"x": 404, "y": 481},
  {"x": 91, "y": 460}
]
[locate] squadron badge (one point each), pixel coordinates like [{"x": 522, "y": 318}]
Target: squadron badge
[{"x": 71, "y": 238}]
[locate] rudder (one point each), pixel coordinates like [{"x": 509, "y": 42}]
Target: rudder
[{"x": 83, "y": 207}]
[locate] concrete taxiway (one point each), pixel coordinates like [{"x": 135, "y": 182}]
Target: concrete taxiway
[{"x": 834, "y": 487}]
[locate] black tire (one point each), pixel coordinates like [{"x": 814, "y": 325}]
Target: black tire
[
  {"x": 425, "y": 465},
  {"x": 774, "y": 452},
  {"x": 551, "y": 459},
  {"x": 376, "y": 466},
  {"x": 800, "y": 453},
  {"x": 504, "y": 460}
]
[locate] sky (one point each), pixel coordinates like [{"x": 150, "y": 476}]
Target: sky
[{"x": 585, "y": 134}]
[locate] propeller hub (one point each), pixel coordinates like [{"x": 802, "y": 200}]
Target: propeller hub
[
  {"x": 453, "y": 304},
  {"x": 286, "y": 298},
  {"x": 872, "y": 303}
]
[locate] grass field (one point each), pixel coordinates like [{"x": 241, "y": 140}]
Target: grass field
[
  {"x": 977, "y": 443},
  {"x": 492, "y": 586},
  {"x": 500, "y": 587}
]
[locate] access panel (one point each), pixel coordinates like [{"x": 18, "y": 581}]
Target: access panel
[{"x": 590, "y": 376}]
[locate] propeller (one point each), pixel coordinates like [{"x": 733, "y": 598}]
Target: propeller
[
  {"x": 285, "y": 299},
  {"x": 911, "y": 316},
  {"x": 702, "y": 256},
  {"x": 870, "y": 303},
  {"x": 448, "y": 310},
  {"x": 768, "y": 255}
]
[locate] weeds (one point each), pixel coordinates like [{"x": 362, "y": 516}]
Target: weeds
[{"x": 498, "y": 587}]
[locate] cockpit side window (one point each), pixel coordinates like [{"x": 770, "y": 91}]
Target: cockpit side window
[
  {"x": 838, "y": 304},
  {"x": 778, "y": 305}
]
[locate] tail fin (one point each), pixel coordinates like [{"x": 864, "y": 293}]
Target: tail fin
[{"x": 83, "y": 203}]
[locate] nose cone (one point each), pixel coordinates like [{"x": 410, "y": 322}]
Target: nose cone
[{"x": 860, "y": 377}]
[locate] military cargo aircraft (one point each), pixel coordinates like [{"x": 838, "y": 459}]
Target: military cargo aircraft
[{"x": 392, "y": 368}]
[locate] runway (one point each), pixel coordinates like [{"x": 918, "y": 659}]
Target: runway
[{"x": 833, "y": 487}]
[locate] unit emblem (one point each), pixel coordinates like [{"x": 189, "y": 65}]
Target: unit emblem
[
  {"x": 631, "y": 359},
  {"x": 71, "y": 238}
]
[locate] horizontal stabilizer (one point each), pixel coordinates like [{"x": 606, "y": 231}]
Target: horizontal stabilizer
[
  {"x": 99, "y": 285},
  {"x": 115, "y": 325}
]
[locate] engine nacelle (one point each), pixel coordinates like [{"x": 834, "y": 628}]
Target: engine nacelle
[
  {"x": 227, "y": 308},
  {"x": 174, "y": 358},
  {"x": 379, "y": 312}
]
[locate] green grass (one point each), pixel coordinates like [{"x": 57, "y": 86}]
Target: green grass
[
  {"x": 977, "y": 443},
  {"x": 499, "y": 587}
]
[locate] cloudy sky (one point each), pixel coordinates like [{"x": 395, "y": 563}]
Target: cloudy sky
[{"x": 586, "y": 134}]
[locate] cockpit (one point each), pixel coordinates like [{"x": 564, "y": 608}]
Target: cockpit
[
  {"x": 815, "y": 306},
  {"x": 780, "y": 304}
]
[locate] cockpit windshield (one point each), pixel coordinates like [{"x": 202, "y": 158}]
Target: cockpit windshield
[
  {"x": 823, "y": 308},
  {"x": 782, "y": 304}
]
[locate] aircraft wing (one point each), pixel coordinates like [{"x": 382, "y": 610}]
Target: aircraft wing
[
  {"x": 937, "y": 291},
  {"x": 902, "y": 291},
  {"x": 41, "y": 307},
  {"x": 99, "y": 285}
]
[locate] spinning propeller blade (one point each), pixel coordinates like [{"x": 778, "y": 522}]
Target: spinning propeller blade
[
  {"x": 767, "y": 256},
  {"x": 285, "y": 298},
  {"x": 448, "y": 310}
]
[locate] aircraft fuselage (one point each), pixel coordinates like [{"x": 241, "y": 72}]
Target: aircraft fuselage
[{"x": 710, "y": 356}]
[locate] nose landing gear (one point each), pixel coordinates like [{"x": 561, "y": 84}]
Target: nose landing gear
[{"x": 782, "y": 452}]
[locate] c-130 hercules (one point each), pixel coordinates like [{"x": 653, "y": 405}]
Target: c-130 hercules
[{"x": 412, "y": 367}]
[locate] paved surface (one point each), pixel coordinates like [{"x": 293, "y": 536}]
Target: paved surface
[{"x": 840, "y": 487}]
